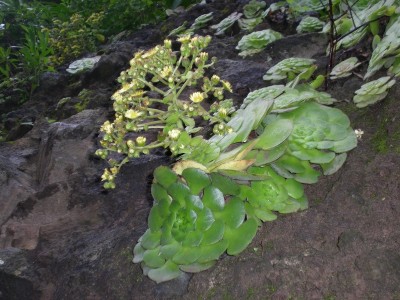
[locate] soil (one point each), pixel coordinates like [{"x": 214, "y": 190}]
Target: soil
[{"x": 64, "y": 237}]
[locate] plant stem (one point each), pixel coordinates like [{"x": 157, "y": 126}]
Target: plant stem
[{"x": 152, "y": 87}]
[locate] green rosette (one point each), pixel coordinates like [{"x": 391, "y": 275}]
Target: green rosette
[
  {"x": 195, "y": 218},
  {"x": 321, "y": 136},
  {"x": 274, "y": 194}
]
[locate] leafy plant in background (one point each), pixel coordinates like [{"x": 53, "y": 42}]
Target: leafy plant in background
[
  {"x": 288, "y": 68},
  {"x": 35, "y": 55},
  {"x": 253, "y": 12},
  {"x": 344, "y": 68},
  {"x": 255, "y": 42},
  {"x": 373, "y": 91},
  {"x": 158, "y": 94},
  {"x": 386, "y": 49},
  {"x": 199, "y": 22},
  {"x": 226, "y": 23},
  {"x": 310, "y": 24},
  {"x": 202, "y": 21},
  {"x": 72, "y": 38},
  {"x": 7, "y": 63},
  {"x": 118, "y": 13},
  {"x": 348, "y": 22}
]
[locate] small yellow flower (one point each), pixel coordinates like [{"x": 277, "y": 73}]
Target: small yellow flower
[
  {"x": 141, "y": 140},
  {"x": 138, "y": 93},
  {"x": 130, "y": 144},
  {"x": 166, "y": 71},
  {"x": 174, "y": 134},
  {"x": 222, "y": 112},
  {"x": 132, "y": 114},
  {"x": 117, "y": 97},
  {"x": 107, "y": 127},
  {"x": 107, "y": 176},
  {"x": 184, "y": 39},
  {"x": 215, "y": 79},
  {"x": 197, "y": 97},
  {"x": 167, "y": 44},
  {"x": 204, "y": 56},
  {"x": 227, "y": 86}
]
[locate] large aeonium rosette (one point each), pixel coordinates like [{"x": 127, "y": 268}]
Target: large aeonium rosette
[
  {"x": 321, "y": 135},
  {"x": 191, "y": 224}
]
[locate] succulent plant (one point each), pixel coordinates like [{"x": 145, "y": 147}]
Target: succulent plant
[
  {"x": 287, "y": 98},
  {"x": 180, "y": 30},
  {"x": 373, "y": 91},
  {"x": 288, "y": 68},
  {"x": 344, "y": 68},
  {"x": 387, "y": 49},
  {"x": 275, "y": 194},
  {"x": 366, "y": 14},
  {"x": 82, "y": 65},
  {"x": 191, "y": 224},
  {"x": 319, "y": 133},
  {"x": 256, "y": 41},
  {"x": 151, "y": 99},
  {"x": 343, "y": 25},
  {"x": 202, "y": 21},
  {"x": 254, "y": 9},
  {"x": 302, "y": 6},
  {"x": 310, "y": 24},
  {"x": 249, "y": 24},
  {"x": 226, "y": 23}
]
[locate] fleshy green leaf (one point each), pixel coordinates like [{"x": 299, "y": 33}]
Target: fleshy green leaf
[
  {"x": 290, "y": 207},
  {"x": 169, "y": 250},
  {"x": 233, "y": 213},
  {"x": 214, "y": 234},
  {"x": 196, "y": 179},
  {"x": 186, "y": 255},
  {"x": 205, "y": 219},
  {"x": 265, "y": 215},
  {"x": 179, "y": 192},
  {"x": 165, "y": 176},
  {"x": 238, "y": 239},
  {"x": 138, "y": 253},
  {"x": 226, "y": 185},
  {"x": 159, "y": 193},
  {"x": 274, "y": 134},
  {"x": 212, "y": 252},
  {"x": 150, "y": 240},
  {"x": 197, "y": 267},
  {"x": 346, "y": 144},
  {"x": 155, "y": 219},
  {"x": 193, "y": 239},
  {"x": 213, "y": 198},
  {"x": 334, "y": 165},
  {"x": 294, "y": 188},
  {"x": 167, "y": 272},
  {"x": 153, "y": 259}
]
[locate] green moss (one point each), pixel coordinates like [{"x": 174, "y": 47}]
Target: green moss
[
  {"x": 387, "y": 137},
  {"x": 85, "y": 96},
  {"x": 250, "y": 293},
  {"x": 380, "y": 139}
]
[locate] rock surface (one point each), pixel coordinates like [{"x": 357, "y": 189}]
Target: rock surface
[{"x": 62, "y": 236}]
